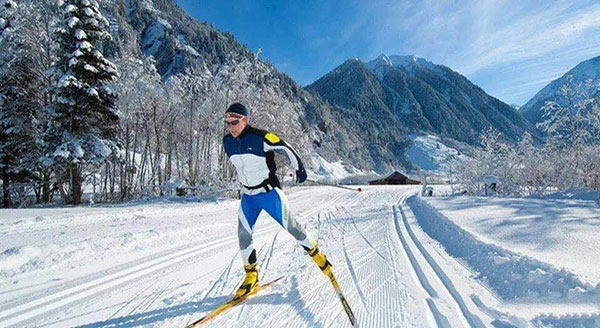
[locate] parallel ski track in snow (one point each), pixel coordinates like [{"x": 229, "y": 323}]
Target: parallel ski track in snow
[
  {"x": 43, "y": 303},
  {"x": 377, "y": 296},
  {"x": 441, "y": 320}
]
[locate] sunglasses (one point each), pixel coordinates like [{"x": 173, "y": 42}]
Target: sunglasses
[{"x": 234, "y": 122}]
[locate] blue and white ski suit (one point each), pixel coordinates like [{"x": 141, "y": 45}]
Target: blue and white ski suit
[{"x": 252, "y": 154}]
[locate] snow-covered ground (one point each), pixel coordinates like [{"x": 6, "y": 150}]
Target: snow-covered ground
[
  {"x": 402, "y": 261},
  {"x": 539, "y": 256}
]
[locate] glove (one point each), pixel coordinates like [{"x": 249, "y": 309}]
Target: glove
[{"x": 300, "y": 175}]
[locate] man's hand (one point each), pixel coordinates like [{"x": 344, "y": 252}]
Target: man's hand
[{"x": 300, "y": 175}]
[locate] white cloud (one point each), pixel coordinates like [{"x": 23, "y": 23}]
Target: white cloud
[{"x": 536, "y": 40}]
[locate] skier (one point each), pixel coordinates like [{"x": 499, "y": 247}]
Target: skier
[{"x": 252, "y": 153}]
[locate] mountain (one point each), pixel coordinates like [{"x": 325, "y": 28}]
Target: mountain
[
  {"x": 407, "y": 93},
  {"x": 583, "y": 80}
]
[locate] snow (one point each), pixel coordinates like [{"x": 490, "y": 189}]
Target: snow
[
  {"x": 77, "y": 53},
  {"x": 327, "y": 171},
  {"x": 90, "y": 68},
  {"x": 61, "y": 152},
  {"x": 100, "y": 148},
  {"x": 77, "y": 149},
  {"x": 109, "y": 91},
  {"x": 430, "y": 154},
  {"x": 409, "y": 62},
  {"x": 182, "y": 44},
  {"x": 72, "y": 21},
  {"x": 80, "y": 34},
  {"x": 70, "y": 8},
  {"x": 98, "y": 54},
  {"x": 84, "y": 45},
  {"x": 63, "y": 100},
  {"x": 66, "y": 80},
  {"x": 89, "y": 12},
  {"x": 10, "y": 4},
  {"x": 401, "y": 260},
  {"x": 152, "y": 38},
  {"x": 92, "y": 92},
  {"x": 72, "y": 62},
  {"x": 549, "y": 230},
  {"x": 164, "y": 22},
  {"x": 92, "y": 21}
]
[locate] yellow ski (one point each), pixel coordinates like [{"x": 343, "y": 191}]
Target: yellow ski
[{"x": 226, "y": 306}]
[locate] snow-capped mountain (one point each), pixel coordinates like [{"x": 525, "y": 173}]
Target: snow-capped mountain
[
  {"x": 583, "y": 79},
  {"x": 417, "y": 95}
]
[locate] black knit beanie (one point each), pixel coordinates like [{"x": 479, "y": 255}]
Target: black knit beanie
[{"x": 237, "y": 108}]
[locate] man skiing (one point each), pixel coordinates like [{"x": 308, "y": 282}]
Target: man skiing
[{"x": 252, "y": 153}]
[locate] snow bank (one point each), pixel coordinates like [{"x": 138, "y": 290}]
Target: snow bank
[
  {"x": 575, "y": 193},
  {"x": 583, "y": 320},
  {"x": 512, "y": 276},
  {"x": 562, "y": 233}
]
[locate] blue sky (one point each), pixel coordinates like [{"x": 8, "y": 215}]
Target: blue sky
[{"x": 509, "y": 48}]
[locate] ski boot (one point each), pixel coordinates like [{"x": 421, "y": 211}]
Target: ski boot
[
  {"x": 250, "y": 283},
  {"x": 321, "y": 260}
]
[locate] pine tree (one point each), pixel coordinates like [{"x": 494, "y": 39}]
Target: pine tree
[
  {"x": 20, "y": 103},
  {"x": 86, "y": 122},
  {"x": 7, "y": 19}
]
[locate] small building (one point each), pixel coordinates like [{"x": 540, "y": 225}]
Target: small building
[{"x": 395, "y": 178}]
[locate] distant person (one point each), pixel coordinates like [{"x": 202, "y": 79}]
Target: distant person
[{"x": 252, "y": 153}]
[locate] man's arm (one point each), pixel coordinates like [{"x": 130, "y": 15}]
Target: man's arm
[{"x": 273, "y": 143}]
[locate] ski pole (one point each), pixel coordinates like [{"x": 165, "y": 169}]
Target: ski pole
[
  {"x": 335, "y": 185},
  {"x": 331, "y": 184}
]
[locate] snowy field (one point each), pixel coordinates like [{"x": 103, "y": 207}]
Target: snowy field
[{"x": 401, "y": 260}]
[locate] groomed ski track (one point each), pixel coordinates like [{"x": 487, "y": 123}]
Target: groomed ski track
[{"x": 389, "y": 276}]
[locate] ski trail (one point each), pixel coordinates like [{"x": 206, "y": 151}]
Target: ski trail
[
  {"x": 353, "y": 275},
  {"x": 439, "y": 318},
  {"x": 270, "y": 254},
  {"x": 141, "y": 304},
  {"x": 388, "y": 243},
  {"x": 217, "y": 281},
  {"x": 351, "y": 218},
  {"x": 157, "y": 295},
  {"x": 471, "y": 318},
  {"x": 128, "y": 302}
]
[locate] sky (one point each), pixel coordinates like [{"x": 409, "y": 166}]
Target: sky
[{"x": 511, "y": 49}]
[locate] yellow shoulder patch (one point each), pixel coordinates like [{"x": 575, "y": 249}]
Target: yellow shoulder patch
[{"x": 272, "y": 137}]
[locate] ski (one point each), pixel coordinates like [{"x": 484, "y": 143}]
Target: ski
[
  {"x": 345, "y": 304},
  {"x": 226, "y": 306}
]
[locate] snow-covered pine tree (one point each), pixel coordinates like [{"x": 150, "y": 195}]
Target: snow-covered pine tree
[
  {"x": 20, "y": 101},
  {"x": 7, "y": 19},
  {"x": 86, "y": 122}
]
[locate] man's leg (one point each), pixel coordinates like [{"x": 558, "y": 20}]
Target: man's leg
[
  {"x": 247, "y": 215},
  {"x": 278, "y": 208}
]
